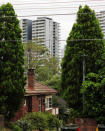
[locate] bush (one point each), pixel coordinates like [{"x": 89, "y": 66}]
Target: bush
[
  {"x": 52, "y": 121},
  {"x": 39, "y": 121},
  {"x": 13, "y": 126},
  {"x": 24, "y": 125},
  {"x": 73, "y": 114},
  {"x": 16, "y": 128}
]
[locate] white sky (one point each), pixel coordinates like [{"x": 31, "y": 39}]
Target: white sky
[{"x": 31, "y": 7}]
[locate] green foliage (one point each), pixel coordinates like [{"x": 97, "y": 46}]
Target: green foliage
[
  {"x": 13, "y": 126},
  {"x": 16, "y": 128},
  {"x": 52, "y": 121},
  {"x": 73, "y": 114},
  {"x": 49, "y": 68},
  {"x": 54, "y": 82},
  {"x": 12, "y": 79},
  {"x": 94, "y": 90},
  {"x": 41, "y": 121},
  {"x": 24, "y": 125},
  {"x": 86, "y": 27},
  {"x": 38, "y": 57},
  {"x": 57, "y": 101},
  {"x": 35, "y": 54}
]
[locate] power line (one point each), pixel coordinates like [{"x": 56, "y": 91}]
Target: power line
[
  {"x": 57, "y": 8},
  {"x": 53, "y": 8},
  {"x": 47, "y": 15},
  {"x": 59, "y": 2},
  {"x": 58, "y": 40},
  {"x": 48, "y": 3}
]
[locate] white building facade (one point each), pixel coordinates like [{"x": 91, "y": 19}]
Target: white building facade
[
  {"x": 46, "y": 32},
  {"x": 101, "y": 17}
]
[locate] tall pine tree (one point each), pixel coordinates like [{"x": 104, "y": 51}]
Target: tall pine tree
[
  {"x": 12, "y": 79},
  {"x": 84, "y": 39}
]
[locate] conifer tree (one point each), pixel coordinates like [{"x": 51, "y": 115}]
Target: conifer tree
[
  {"x": 12, "y": 78},
  {"x": 85, "y": 39}
]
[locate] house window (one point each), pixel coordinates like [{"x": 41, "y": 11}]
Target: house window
[
  {"x": 40, "y": 105},
  {"x": 24, "y": 102},
  {"x": 48, "y": 102}
]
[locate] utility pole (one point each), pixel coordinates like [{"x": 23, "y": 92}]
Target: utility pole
[
  {"x": 83, "y": 80},
  {"x": 28, "y": 59}
]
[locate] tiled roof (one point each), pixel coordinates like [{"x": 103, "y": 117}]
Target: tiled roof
[{"x": 39, "y": 89}]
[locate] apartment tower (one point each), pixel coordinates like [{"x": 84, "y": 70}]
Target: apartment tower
[{"x": 46, "y": 32}]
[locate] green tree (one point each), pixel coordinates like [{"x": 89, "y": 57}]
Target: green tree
[
  {"x": 94, "y": 91},
  {"x": 49, "y": 69},
  {"x": 82, "y": 40},
  {"x": 35, "y": 54},
  {"x": 54, "y": 82},
  {"x": 38, "y": 57},
  {"x": 12, "y": 78},
  {"x": 39, "y": 121}
]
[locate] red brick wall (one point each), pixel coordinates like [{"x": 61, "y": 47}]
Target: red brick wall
[
  {"x": 35, "y": 103},
  {"x": 20, "y": 113},
  {"x": 86, "y": 124},
  {"x": 35, "y": 107}
]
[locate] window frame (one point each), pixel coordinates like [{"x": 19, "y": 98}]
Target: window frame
[{"x": 48, "y": 102}]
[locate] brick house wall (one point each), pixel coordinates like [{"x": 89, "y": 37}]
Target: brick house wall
[
  {"x": 20, "y": 113},
  {"x": 34, "y": 106},
  {"x": 35, "y": 103}
]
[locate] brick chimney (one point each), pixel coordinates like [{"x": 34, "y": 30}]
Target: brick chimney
[{"x": 31, "y": 78}]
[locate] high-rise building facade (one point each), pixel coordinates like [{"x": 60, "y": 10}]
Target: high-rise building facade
[
  {"x": 101, "y": 17},
  {"x": 46, "y": 32},
  {"x": 26, "y": 26}
]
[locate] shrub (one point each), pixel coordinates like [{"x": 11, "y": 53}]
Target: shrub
[
  {"x": 52, "y": 121},
  {"x": 39, "y": 121},
  {"x": 24, "y": 124},
  {"x": 13, "y": 126},
  {"x": 73, "y": 114}
]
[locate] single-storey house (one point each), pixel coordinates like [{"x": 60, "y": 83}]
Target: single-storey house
[{"x": 38, "y": 97}]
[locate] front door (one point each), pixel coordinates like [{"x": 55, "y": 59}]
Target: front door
[{"x": 29, "y": 103}]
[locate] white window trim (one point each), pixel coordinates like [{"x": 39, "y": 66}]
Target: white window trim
[
  {"x": 24, "y": 102},
  {"x": 47, "y": 102}
]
